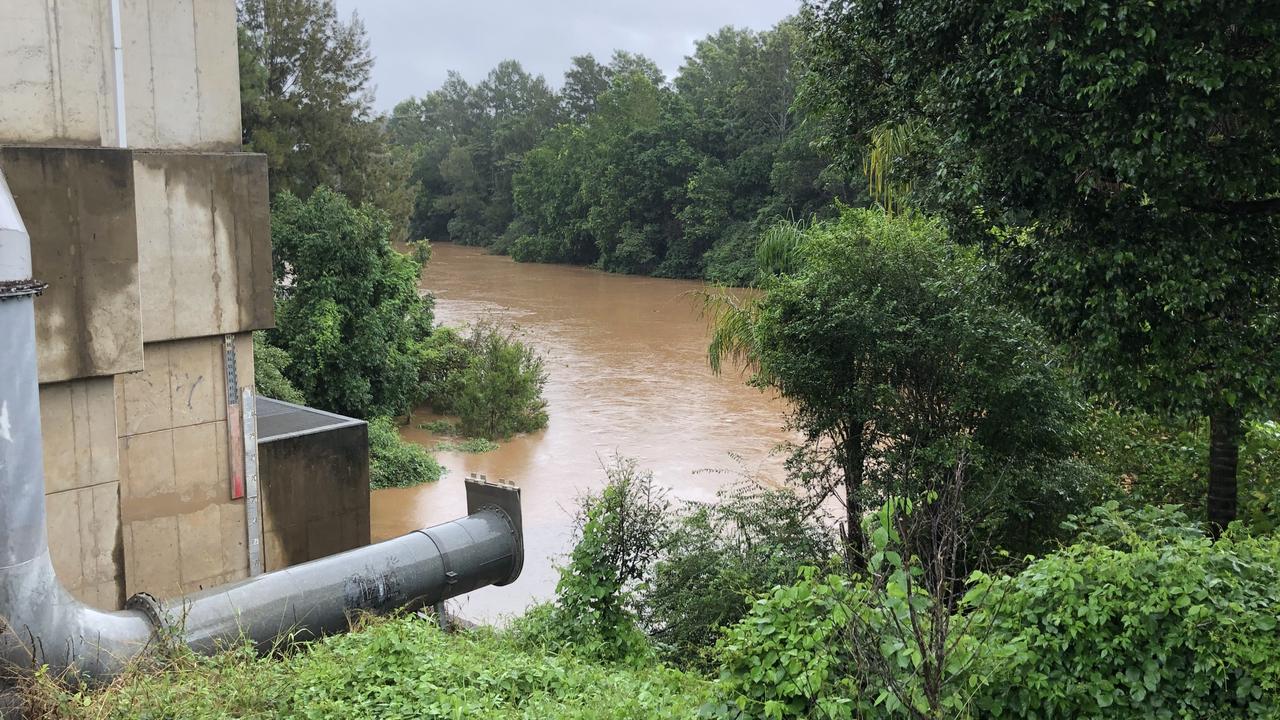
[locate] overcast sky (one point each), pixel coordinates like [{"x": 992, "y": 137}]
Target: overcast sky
[{"x": 415, "y": 42}]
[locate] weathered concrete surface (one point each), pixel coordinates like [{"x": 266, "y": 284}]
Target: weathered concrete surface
[
  {"x": 78, "y": 206},
  {"x": 181, "y": 529},
  {"x": 204, "y": 244},
  {"x": 181, "y": 73},
  {"x": 315, "y": 494},
  {"x": 82, "y": 488}
]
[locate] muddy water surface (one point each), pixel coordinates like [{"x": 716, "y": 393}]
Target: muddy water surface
[{"x": 627, "y": 373}]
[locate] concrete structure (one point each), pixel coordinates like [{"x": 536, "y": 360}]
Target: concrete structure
[
  {"x": 158, "y": 261},
  {"x": 314, "y": 468}
]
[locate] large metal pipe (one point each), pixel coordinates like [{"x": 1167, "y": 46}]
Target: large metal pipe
[{"x": 42, "y": 624}]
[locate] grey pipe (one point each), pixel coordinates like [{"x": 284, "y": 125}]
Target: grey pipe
[{"x": 42, "y": 624}]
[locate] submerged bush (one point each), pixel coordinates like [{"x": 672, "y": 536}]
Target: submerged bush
[
  {"x": 499, "y": 392},
  {"x": 541, "y": 249},
  {"x": 393, "y": 462}
]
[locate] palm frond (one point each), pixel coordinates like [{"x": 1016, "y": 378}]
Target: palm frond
[{"x": 889, "y": 144}]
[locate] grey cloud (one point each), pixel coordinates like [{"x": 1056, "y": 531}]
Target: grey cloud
[{"x": 416, "y": 42}]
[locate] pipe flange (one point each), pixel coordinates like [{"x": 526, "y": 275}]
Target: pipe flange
[
  {"x": 148, "y": 605},
  {"x": 13, "y": 289}
]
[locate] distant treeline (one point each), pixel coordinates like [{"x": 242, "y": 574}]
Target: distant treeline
[{"x": 623, "y": 168}]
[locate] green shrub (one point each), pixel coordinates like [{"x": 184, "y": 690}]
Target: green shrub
[
  {"x": 393, "y": 462},
  {"x": 541, "y": 249},
  {"x": 788, "y": 658},
  {"x": 442, "y": 357},
  {"x": 269, "y": 363},
  {"x": 499, "y": 392},
  {"x": 618, "y": 538},
  {"x": 1144, "y": 618},
  {"x": 421, "y": 251},
  {"x": 719, "y": 557}
]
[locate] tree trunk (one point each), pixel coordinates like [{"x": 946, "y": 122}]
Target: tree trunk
[
  {"x": 1224, "y": 456},
  {"x": 854, "y": 457}
]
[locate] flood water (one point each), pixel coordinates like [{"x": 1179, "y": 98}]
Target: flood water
[{"x": 627, "y": 373}]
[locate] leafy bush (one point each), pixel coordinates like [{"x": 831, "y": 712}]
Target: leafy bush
[
  {"x": 421, "y": 251},
  {"x": 499, "y": 392},
  {"x": 541, "y": 249},
  {"x": 887, "y": 643},
  {"x": 1143, "y": 617},
  {"x": 1157, "y": 621},
  {"x": 442, "y": 357},
  {"x": 719, "y": 557},
  {"x": 788, "y": 657},
  {"x": 619, "y": 534},
  {"x": 269, "y": 363},
  {"x": 394, "y": 462}
]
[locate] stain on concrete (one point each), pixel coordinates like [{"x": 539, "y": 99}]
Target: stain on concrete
[{"x": 78, "y": 206}]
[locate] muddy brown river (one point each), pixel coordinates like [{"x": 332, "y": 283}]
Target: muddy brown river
[{"x": 626, "y": 373}]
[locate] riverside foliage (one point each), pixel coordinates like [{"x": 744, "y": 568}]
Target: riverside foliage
[{"x": 624, "y": 169}]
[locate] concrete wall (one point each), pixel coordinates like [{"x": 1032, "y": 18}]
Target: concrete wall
[
  {"x": 152, "y": 254},
  {"x": 181, "y": 73},
  {"x": 204, "y": 236},
  {"x": 315, "y": 494},
  {"x": 181, "y": 529},
  {"x": 82, "y": 485},
  {"x": 78, "y": 206}
]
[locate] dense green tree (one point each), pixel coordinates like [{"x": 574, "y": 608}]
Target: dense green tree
[
  {"x": 469, "y": 142},
  {"x": 269, "y": 363},
  {"x": 1136, "y": 142},
  {"x": 584, "y": 82},
  {"x": 902, "y": 368},
  {"x": 305, "y": 102},
  {"x": 623, "y": 169},
  {"x": 350, "y": 318}
]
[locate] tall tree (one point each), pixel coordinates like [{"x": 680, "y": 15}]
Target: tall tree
[
  {"x": 1136, "y": 142},
  {"x": 584, "y": 82},
  {"x": 902, "y": 369},
  {"x": 308, "y": 93},
  {"x": 351, "y": 318}
]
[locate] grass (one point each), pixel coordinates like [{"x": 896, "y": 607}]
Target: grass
[
  {"x": 440, "y": 427},
  {"x": 469, "y": 445},
  {"x": 456, "y": 443},
  {"x": 399, "y": 668}
]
